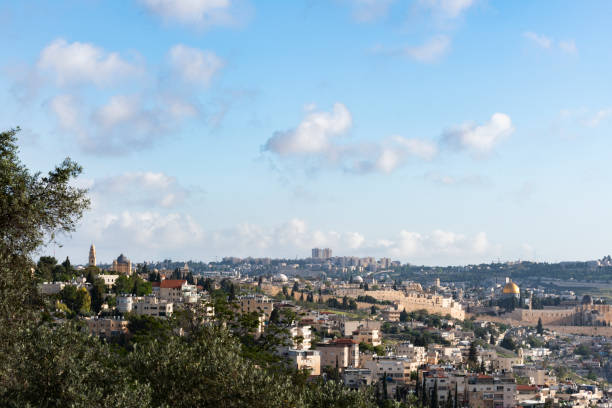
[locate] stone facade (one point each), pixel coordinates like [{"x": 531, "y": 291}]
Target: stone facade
[
  {"x": 581, "y": 315},
  {"x": 410, "y": 300},
  {"x": 122, "y": 265},
  {"x": 92, "y": 255},
  {"x": 342, "y": 353}
]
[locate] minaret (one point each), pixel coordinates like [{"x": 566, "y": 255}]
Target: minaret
[{"x": 92, "y": 255}]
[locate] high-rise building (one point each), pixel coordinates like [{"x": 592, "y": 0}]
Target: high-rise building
[
  {"x": 316, "y": 253},
  {"x": 321, "y": 253},
  {"x": 92, "y": 255}
]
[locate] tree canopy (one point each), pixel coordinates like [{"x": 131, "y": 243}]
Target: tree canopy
[{"x": 54, "y": 363}]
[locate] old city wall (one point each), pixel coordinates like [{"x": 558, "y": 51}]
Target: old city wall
[
  {"x": 568, "y": 329},
  {"x": 548, "y": 316}
]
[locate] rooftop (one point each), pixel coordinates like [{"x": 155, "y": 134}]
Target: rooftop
[{"x": 172, "y": 283}]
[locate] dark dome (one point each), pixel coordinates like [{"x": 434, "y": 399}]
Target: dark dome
[
  {"x": 122, "y": 259},
  {"x": 587, "y": 300}
]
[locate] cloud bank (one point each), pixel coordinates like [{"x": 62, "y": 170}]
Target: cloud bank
[
  {"x": 86, "y": 93},
  {"x": 322, "y": 140}
]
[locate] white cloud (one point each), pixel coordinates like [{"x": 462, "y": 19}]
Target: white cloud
[
  {"x": 417, "y": 147},
  {"x": 120, "y": 108},
  {"x": 66, "y": 109},
  {"x": 447, "y": 8},
  {"x": 316, "y": 143},
  {"x": 153, "y": 234},
  {"x": 125, "y": 123},
  {"x": 288, "y": 239},
  {"x": 431, "y": 51},
  {"x": 145, "y": 231},
  {"x": 148, "y": 189},
  {"x": 313, "y": 134},
  {"x": 354, "y": 240},
  {"x": 388, "y": 160},
  {"x": 394, "y": 152},
  {"x": 193, "y": 65},
  {"x": 179, "y": 108},
  {"x": 599, "y": 116},
  {"x": 318, "y": 138},
  {"x": 370, "y": 10},
  {"x": 197, "y": 13},
  {"x": 295, "y": 237},
  {"x": 568, "y": 46},
  {"x": 480, "y": 139},
  {"x": 538, "y": 39},
  {"x": 78, "y": 63},
  {"x": 570, "y": 121},
  {"x": 439, "y": 243},
  {"x": 480, "y": 243}
]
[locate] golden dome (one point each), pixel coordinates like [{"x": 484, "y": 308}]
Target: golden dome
[{"x": 511, "y": 288}]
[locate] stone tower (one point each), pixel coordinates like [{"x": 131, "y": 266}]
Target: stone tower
[{"x": 92, "y": 255}]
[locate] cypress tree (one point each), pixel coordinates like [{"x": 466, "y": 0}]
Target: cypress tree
[
  {"x": 540, "y": 327},
  {"x": 472, "y": 356},
  {"x": 434, "y": 396},
  {"x": 449, "y": 399},
  {"x": 385, "y": 396}
]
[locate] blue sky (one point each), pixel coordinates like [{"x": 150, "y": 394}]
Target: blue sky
[{"x": 431, "y": 131}]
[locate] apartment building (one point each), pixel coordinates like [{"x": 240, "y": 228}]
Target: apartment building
[
  {"x": 475, "y": 390},
  {"x": 485, "y": 391},
  {"x": 125, "y": 303},
  {"x": 106, "y": 327},
  {"x": 144, "y": 305},
  {"x": 356, "y": 378},
  {"x": 367, "y": 335},
  {"x": 305, "y": 359},
  {"x": 301, "y": 337},
  {"x": 349, "y": 326},
  {"x": 177, "y": 291},
  {"x": 391, "y": 314},
  {"x": 109, "y": 280},
  {"x": 152, "y": 306},
  {"x": 341, "y": 353},
  {"x": 412, "y": 352},
  {"x": 256, "y": 303},
  {"x": 397, "y": 368}
]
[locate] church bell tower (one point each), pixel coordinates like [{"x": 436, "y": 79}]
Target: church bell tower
[{"x": 92, "y": 255}]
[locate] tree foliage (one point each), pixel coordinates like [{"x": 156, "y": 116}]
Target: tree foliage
[{"x": 49, "y": 364}]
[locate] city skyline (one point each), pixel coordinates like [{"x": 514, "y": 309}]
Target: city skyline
[{"x": 433, "y": 132}]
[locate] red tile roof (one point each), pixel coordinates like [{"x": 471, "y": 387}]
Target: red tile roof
[
  {"x": 155, "y": 284},
  {"x": 344, "y": 341},
  {"x": 172, "y": 283},
  {"x": 524, "y": 387}
]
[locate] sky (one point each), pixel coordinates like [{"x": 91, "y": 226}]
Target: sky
[{"x": 436, "y": 132}]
